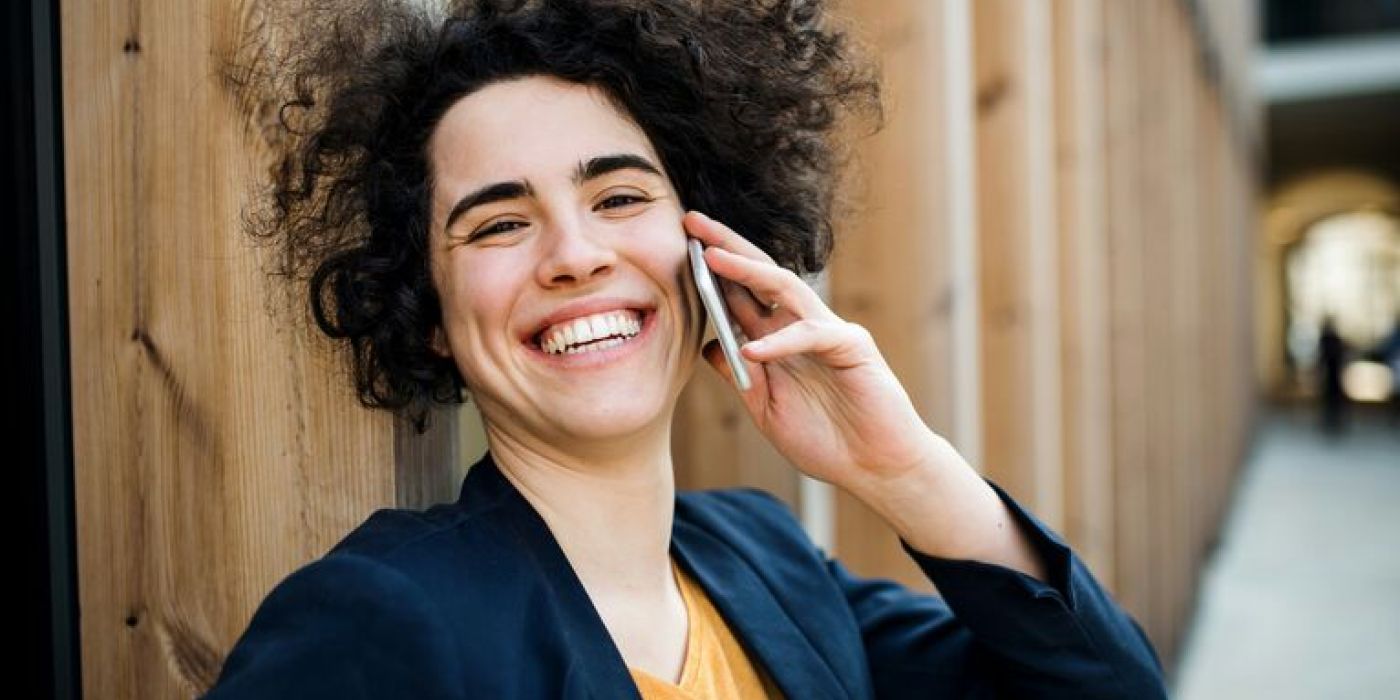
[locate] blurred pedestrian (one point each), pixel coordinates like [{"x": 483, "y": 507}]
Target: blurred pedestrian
[{"x": 1332, "y": 359}]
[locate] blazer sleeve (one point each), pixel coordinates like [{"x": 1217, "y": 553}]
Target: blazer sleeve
[
  {"x": 345, "y": 626},
  {"x": 996, "y": 631}
]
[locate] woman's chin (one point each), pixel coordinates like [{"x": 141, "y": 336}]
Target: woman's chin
[
  {"x": 592, "y": 409},
  {"x": 602, "y": 420}
]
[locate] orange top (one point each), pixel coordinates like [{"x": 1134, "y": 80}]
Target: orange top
[{"x": 715, "y": 665}]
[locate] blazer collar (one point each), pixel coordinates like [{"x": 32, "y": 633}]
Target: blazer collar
[{"x": 748, "y": 605}]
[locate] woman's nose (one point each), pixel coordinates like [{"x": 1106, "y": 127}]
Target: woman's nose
[{"x": 574, "y": 255}]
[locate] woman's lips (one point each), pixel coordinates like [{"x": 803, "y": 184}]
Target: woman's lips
[
  {"x": 599, "y": 356},
  {"x": 585, "y": 307},
  {"x": 591, "y": 332}
]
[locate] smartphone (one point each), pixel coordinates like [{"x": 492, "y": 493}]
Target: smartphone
[{"x": 719, "y": 318}]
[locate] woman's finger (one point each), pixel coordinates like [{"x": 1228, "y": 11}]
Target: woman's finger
[
  {"x": 771, "y": 285},
  {"x": 714, "y": 354},
  {"x": 838, "y": 343},
  {"x": 755, "y": 317},
  {"x": 714, "y": 233}
]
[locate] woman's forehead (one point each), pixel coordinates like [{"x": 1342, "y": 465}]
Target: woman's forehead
[{"x": 530, "y": 128}]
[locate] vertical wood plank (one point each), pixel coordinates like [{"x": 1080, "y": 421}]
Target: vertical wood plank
[
  {"x": 1214, "y": 373},
  {"x": 1183, "y": 286},
  {"x": 1083, "y": 278},
  {"x": 715, "y": 444},
  {"x": 1155, "y": 291},
  {"x": 1162, "y": 294},
  {"x": 1126, "y": 313},
  {"x": 1017, "y": 257},
  {"x": 893, "y": 271},
  {"x": 428, "y": 466}
]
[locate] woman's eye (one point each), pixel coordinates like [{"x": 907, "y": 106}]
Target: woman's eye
[
  {"x": 620, "y": 200},
  {"x": 498, "y": 227}
]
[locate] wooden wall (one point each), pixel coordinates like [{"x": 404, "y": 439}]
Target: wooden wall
[
  {"x": 1112, "y": 179},
  {"x": 214, "y": 449},
  {"x": 1050, "y": 244},
  {"x": 1018, "y": 251}
]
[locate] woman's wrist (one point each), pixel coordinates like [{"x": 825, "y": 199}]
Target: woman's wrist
[{"x": 943, "y": 508}]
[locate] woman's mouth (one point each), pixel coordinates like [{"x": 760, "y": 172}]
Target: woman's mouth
[{"x": 601, "y": 335}]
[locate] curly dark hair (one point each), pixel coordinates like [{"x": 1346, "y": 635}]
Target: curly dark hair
[{"x": 742, "y": 100}]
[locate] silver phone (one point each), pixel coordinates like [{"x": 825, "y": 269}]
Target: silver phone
[{"x": 719, "y": 318}]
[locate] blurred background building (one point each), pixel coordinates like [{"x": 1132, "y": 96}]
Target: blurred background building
[
  {"x": 1298, "y": 599},
  {"x": 1330, "y": 72},
  {"x": 1138, "y": 260}
]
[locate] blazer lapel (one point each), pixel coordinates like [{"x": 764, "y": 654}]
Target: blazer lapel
[
  {"x": 749, "y": 607},
  {"x": 596, "y": 656},
  {"x": 760, "y": 622}
]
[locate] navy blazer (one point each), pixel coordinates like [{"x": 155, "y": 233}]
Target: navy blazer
[{"x": 475, "y": 599}]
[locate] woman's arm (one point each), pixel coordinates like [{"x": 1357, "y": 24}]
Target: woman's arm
[
  {"x": 1026, "y": 618},
  {"x": 995, "y": 632},
  {"x": 992, "y": 631}
]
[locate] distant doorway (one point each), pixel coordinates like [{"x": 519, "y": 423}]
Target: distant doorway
[{"x": 1345, "y": 268}]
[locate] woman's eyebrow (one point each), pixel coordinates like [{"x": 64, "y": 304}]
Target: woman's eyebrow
[
  {"x": 597, "y": 167},
  {"x": 490, "y": 193},
  {"x": 594, "y": 167}
]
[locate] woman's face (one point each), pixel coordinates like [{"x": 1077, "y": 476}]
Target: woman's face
[{"x": 559, "y": 256}]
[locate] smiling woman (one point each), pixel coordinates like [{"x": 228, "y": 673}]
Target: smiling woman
[{"x": 501, "y": 199}]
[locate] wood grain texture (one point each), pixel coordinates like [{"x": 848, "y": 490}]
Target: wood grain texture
[
  {"x": 894, "y": 271},
  {"x": 716, "y": 445},
  {"x": 1155, "y": 183},
  {"x": 1128, "y": 362},
  {"x": 1087, "y": 421},
  {"x": 1177, "y": 208},
  {"x": 217, "y": 445},
  {"x": 1018, "y": 273}
]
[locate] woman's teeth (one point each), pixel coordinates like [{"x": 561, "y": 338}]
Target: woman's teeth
[{"x": 589, "y": 333}]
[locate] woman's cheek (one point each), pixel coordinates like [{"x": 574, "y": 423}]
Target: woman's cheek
[
  {"x": 468, "y": 287},
  {"x": 659, "y": 237}
]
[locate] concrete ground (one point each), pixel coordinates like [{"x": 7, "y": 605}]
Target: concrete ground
[{"x": 1302, "y": 598}]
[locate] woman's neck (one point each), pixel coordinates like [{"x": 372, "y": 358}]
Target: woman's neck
[{"x": 610, "y": 510}]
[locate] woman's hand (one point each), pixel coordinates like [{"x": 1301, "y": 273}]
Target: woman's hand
[
  {"x": 824, "y": 396},
  {"x": 821, "y": 392}
]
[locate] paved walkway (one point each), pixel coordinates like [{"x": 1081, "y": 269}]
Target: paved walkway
[{"x": 1302, "y": 599}]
